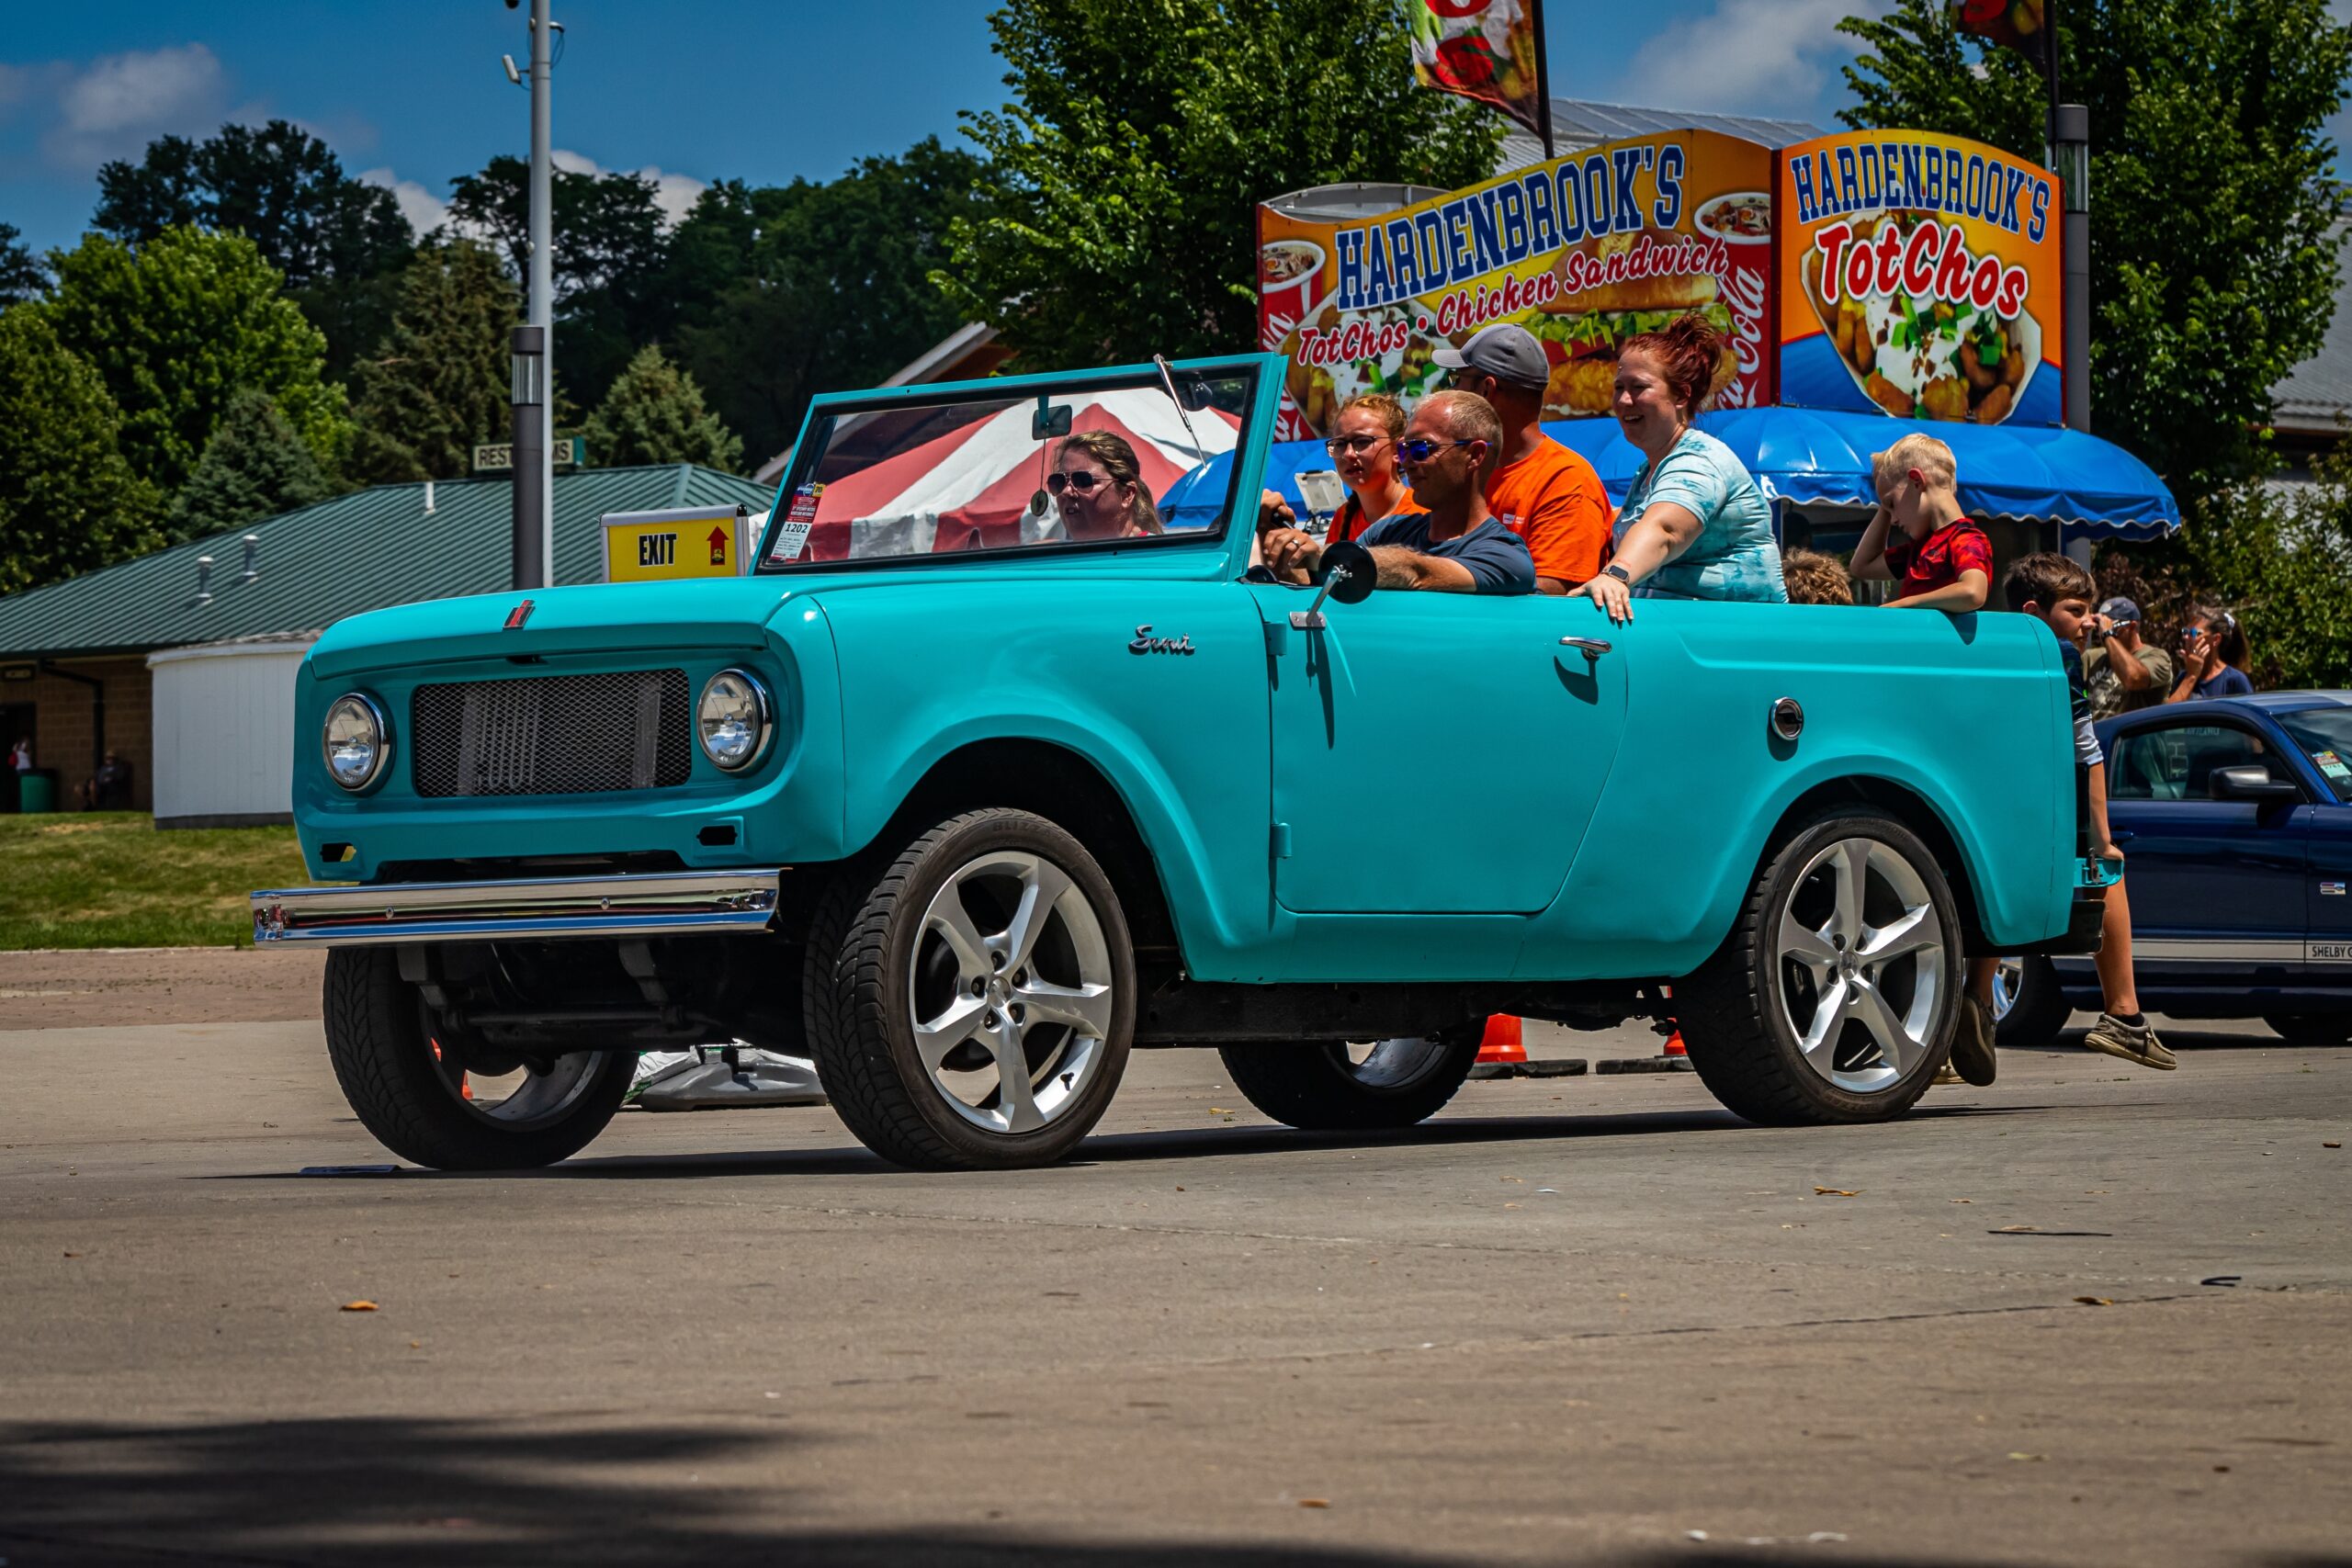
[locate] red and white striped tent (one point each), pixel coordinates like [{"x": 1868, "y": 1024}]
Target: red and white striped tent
[{"x": 972, "y": 488}]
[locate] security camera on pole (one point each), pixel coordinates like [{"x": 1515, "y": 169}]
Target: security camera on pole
[{"x": 533, "y": 490}]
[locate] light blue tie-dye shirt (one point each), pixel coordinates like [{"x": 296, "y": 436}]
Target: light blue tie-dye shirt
[{"x": 1735, "y": 555}]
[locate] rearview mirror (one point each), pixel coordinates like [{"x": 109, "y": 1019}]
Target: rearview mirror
[
  {"x": 1049, "y": 420},
  {"x": 2253, "y": 784},
  {"x": 1349, "y": 575}
]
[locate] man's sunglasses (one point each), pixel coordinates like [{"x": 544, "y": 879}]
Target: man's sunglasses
[
  {"x": 1083, "y": 481},
  {"x": 1421, "y": 448},
  {"x": 1357, "y": 445}
]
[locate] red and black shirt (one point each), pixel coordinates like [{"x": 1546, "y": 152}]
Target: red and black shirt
[{"x": 1937, "y": 560}]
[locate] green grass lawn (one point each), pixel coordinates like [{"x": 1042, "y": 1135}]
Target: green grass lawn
[{"x": 109, "y": 879}]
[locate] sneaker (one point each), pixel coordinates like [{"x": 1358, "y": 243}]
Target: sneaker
[
  {"x": 2132, "y": 1042},
  {"x": 1972, "y": 1044}
]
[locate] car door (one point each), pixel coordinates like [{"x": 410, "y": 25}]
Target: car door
[
  {"x": 2217, "y": 886},
  {"x": 1437, "y": 753},
  {"x": 2323, "y": 733}
]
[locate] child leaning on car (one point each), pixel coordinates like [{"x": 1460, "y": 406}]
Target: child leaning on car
[
  {"x": 2058, "y": 591},
  {"x": 1919, "y": 538}
]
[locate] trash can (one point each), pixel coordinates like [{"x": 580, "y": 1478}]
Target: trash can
[{"x": 36, "y": 791}]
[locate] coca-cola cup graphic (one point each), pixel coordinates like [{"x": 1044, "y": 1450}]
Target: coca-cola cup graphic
[
  {"x": 1740, "y": 223},
  {"x": 1290, "y": 281}
]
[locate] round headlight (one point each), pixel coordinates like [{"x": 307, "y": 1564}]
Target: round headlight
[
  {"x": 732, "y": 719},
  {"x": 356, "y": 741}
]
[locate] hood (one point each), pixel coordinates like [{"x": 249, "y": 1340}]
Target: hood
[{"x": 711, "y": 612}]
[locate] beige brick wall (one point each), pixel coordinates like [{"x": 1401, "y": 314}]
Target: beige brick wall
[{"x": 61, "y": 723}]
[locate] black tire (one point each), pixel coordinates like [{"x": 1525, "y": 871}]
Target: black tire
[
  {"x": 1317, "y": 1088},
  {"x": 2040, "y": 1010},
  {"x": 2311, "y": 1028},
  {"x": 383, "y": 1058},
  {"x": 864, "y": 942},
  {"x": 1734, "y": 1009}
]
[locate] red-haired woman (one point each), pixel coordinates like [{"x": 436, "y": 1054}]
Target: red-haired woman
[{"x": 1694, "y": 525}]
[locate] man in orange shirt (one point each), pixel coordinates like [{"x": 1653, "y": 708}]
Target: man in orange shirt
[{"x": 1541, "y": 491}]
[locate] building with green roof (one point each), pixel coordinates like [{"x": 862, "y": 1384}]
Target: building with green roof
[{"x": 75, "y": 678}]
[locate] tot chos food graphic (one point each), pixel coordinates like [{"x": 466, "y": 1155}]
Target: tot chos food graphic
[
  {"x": 1927, "y": 328},
  {"x": 1337, "y": 355}
]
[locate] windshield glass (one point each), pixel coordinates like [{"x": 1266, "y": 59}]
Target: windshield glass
[
  {"x": 2326, "y": 736},
  {"x": 1092, "y": 466}
]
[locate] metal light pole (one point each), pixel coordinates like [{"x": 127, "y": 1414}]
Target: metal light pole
[
  {"x": 535, "y": 491},
  {"x": 2071, "y": 148},
  {"x": 542, "y": 286}
]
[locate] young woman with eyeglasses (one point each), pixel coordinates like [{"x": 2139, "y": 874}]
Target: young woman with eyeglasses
[
  {"x": 1364, "y": 450},
  {"x": 1098, "y": 490}
]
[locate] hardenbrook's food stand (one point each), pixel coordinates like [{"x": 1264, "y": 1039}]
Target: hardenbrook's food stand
[{"x": 1870, "y": 284}]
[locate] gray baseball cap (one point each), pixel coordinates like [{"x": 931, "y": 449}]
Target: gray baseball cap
[
  {"x": 1506, "y": 351},
  {"x": 2120, "y": 610}
]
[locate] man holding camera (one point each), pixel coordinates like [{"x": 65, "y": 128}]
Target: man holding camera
[{"x": 2121, "y": 671}]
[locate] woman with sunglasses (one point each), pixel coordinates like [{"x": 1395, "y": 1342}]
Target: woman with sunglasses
[
  {"x": 1364, "y": 449},
  {"x": 2213, "y": 657},
  {"x": 1098, "y": 490},
  {"x": 1694, "y": 525}
]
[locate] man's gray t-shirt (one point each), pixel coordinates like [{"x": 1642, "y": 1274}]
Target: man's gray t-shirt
[{"x": 1497, "y": 560}]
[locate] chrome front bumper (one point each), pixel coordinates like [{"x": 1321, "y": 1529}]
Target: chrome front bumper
[{"x": 683, "y": 903}]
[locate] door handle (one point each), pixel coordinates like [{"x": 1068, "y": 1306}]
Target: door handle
[{"x": 1591, "y": 647}]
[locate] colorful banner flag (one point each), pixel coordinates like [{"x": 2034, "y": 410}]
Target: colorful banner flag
[
  {"x": 1489, "y": 49},
  {"x": 2021, "y": 25}
]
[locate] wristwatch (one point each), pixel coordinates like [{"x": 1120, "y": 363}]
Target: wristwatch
[{"x": 1619, "y": 572}]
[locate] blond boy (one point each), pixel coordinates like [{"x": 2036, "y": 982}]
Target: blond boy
[{"x": 1919, "y": 538}]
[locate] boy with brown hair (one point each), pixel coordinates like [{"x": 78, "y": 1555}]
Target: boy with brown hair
[
  {"x": 1918, "y": 537},
  {"x": 2058, "y": 591}
]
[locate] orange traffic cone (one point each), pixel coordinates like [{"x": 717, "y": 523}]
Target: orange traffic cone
[
  {"x": 1674, "y": 1046},
  {"x": 465, "y": 1080},
  {"x": 1502, "y": 1043}
]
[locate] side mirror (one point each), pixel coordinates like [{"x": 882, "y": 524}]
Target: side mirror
[
  {"x": 2251, "y": 783},
  {"x": 1349, "y": 575}
]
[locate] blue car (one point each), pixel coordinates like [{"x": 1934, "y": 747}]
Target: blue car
[{"x": 2235, "y": 816}]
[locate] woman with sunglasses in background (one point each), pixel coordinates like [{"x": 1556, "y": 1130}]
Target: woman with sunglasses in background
[
  {"x": 1364, "y": 450},
  {"x": 2213, "y": 657},
  {"x": 1098, "y": 490},
  {"x": 1694, "y": 525}
]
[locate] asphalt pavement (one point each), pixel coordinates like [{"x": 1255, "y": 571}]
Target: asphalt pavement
[{"x": 2090, "y": 1315}]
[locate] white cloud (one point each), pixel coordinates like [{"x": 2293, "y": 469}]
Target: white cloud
[
  {"x": 673, "y": 194},
  {"x": 424, "y": 211},
  {"x": 1748, "y": 57},
  {"x": 116, "y": 104}
]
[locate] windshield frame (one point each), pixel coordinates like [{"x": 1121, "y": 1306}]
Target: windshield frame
[{"x": 1260, "y": 373}]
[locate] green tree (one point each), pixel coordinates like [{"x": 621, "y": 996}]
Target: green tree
[
  {"x": 2212, "y": 268},
  {"x": 20, "y": 276},
  {"x": 655, "y": 414},
  {"x": 175, "y": 329},
  {"x": 253, "y": 467},
  {"x": 68, "y": 502},
  {"x": 339, "y": 242},
  {"x": 439, "y": 383},
  {"x": 786, "y": 291},
  {"x": 1127, "y": 171},
  {"x": 609, "y": 252},
  {"x": 2276, "y": 556}
]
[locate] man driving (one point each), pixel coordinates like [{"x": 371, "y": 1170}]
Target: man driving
[{"x": 1456, "y": 547}]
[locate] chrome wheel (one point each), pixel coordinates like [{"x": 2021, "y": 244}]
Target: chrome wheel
[
  {"x": 2008, "y": 979},
  {"x": 1860, "y": 949},
  {"x": 525, "y": 1098},
  {"x": 1010, "y": 991}
]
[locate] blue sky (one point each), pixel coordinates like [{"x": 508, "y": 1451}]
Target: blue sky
[{"x": 410, "y": 92}]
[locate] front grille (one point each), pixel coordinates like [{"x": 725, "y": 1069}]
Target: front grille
[{"x": 552, "y": 734}]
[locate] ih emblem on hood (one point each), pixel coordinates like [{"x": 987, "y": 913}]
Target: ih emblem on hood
[{"x": 517, "y": 615}]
